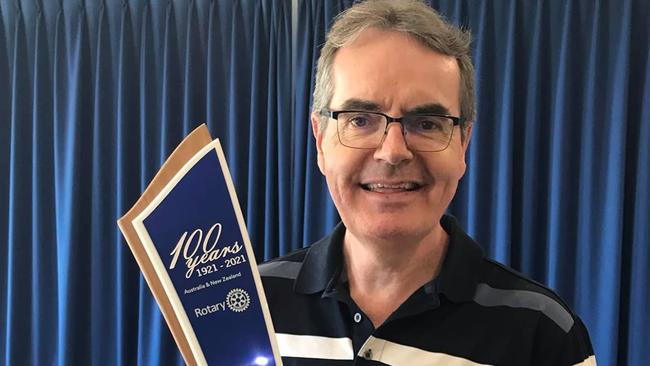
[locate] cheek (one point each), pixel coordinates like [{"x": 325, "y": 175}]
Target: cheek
[
  {"x": 339, "y": 173},
  {"x": 339, "y": 185},
  {"x": 447, "y": 169},
  {"x": 453, "y": 162},
  {"x": 342, "y": 173},
  {"x": 461, "y": 168}
]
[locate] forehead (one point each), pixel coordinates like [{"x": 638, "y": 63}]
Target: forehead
[{"x": 395, "y": 71}]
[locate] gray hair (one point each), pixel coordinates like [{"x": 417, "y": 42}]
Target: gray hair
[{"x": 409, "y": 16}]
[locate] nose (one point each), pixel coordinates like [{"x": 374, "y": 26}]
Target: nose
[{"x": 393, "y": 149}]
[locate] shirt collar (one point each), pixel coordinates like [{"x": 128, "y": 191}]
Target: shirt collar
[
  {"x": 322, "y": 264},
  {"x": 457, "y": 279},
  {"x": 461, "y": 268}
]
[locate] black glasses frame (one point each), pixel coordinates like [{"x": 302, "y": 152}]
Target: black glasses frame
[{"x": 389, "y": 119}]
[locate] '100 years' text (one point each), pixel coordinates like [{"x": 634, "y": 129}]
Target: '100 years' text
[{"x": 190, "y": 245}]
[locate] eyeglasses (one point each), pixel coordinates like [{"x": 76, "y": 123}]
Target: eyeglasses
[{"x": 366, "y": 130}]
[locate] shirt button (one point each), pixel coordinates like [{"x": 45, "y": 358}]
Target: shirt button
[
  {"x": 357, "y": 318},
  {"x": 368, "y": 354}
]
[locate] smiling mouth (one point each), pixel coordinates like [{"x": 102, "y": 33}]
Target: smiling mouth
[{"x": 390, "y": 188}]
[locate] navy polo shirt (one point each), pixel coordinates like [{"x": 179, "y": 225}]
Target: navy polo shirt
[{"x": 475, "y": 312}]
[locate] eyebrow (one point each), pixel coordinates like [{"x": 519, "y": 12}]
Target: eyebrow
[
  {"x": 361, "y": 105},
  {"x": 366, "y": 105},
  {"x": 434, "y": 108}
]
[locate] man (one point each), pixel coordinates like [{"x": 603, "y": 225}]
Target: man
[{"x": 398, "y": 282}]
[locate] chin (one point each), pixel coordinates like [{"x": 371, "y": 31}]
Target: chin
[{"x": 400, "y": 229}]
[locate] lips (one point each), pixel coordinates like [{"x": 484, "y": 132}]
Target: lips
[{"x": 391, "y": 187}]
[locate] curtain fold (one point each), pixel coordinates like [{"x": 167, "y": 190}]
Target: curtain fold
[
  {"x": 5, "y": 139},
  {"x": 43, "y": 287},
  {"x": 19, "y": 256},
  {"x": 97, "y": 94}
]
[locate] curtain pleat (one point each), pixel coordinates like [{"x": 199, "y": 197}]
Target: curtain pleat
[
  {"x": 150, "y": 320},
  {"x": 75, "y": 275},
  {"x": 98, "y": 93},
  {"x": 59, "y": 91},
  {"x": 560, "y": 162},
  {"x": 600, "y": 201},
  {"x": 635, "y": 297},
  {"x": 19, "y": 323},
  {"x": 193, "y": 71},
  {"x": 282, "y": 103},
  {"x": 256, "y": 148},
  {"x": 103, "y": 194},
  {"x": 5, "y": 158},
  {"x": 43, "y": 292},
  {"x": 171, "y": 131},
  {"x": 126, "y": 172}
]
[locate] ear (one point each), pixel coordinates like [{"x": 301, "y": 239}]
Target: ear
[
  {"x": 468, "y": 137},
  {"x": 464, "y": 145},
  {"x": 318, "y": 136}
]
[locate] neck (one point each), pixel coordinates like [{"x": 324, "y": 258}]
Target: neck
[{"x": 383, "y": 274}]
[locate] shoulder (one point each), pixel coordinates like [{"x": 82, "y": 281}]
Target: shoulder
[
  {"x": 558, "y": 336},
  {"x": 501, "y": 285},
  {"x": 286, "y": 267}
]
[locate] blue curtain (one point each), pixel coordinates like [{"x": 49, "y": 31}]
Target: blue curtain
[{"x": 94, "y": 95}]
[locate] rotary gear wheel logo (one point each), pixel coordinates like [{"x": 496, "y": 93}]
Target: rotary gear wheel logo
[{"x": 238, "y": 300}]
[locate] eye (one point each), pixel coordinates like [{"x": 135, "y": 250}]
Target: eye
[
  {"x": 359, "y": 120},
  {"x": 429, "y": 123}
]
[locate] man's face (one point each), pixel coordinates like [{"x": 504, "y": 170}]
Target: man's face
[{"x": 372, "y": 188}]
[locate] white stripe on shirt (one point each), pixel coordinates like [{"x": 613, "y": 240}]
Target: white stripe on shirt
[
  {"x": 306, "y": 346},
  {"x": 589, "y": 361}
]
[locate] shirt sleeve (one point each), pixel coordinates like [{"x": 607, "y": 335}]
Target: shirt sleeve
[{"x": 572, "y": 348}]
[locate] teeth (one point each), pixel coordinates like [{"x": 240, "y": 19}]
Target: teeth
[{"x": 406, "y": 186}]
